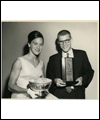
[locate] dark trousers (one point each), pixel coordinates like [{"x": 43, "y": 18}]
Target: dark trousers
[{"x": 61, "y": 93}]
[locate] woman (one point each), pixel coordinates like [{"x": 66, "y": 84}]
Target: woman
[{"x": 27, "y": 68}]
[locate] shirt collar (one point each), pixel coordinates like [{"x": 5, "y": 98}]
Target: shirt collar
[{"x": 71, "y": 54}]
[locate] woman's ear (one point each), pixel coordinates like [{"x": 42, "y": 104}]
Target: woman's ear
[{"x": 28, "y": 44}]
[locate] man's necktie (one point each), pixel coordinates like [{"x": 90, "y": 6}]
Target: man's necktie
[{"x": 67, "y": 71}]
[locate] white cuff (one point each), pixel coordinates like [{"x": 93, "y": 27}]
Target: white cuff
[
  {"x": 72, "y": 87},
  {"x": 32, "y": 93}
]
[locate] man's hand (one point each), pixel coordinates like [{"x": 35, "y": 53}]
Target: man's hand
[
  {"x": 79, "y": 81},
  {"x": 59, "y": 82}
]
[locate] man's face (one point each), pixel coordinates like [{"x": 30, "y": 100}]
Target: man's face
[{"x": 65, "y": 42}]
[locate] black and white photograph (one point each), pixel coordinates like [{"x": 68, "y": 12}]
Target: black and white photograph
[{"x": 49, "y": 59}]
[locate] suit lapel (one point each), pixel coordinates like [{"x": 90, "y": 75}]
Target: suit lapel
[
  {"x": 58, "y": 66},
  {"x": 75, "y": 64},
  {"x": 73, "y": 61}
]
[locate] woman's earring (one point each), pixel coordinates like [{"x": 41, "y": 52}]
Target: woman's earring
[{"x": 28, "y": 45}]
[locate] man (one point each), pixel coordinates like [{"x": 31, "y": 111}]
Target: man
[{"x": 81, "y": 69}]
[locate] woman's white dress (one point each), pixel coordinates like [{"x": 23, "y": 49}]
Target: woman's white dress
[{"x": 29, "y": 72}]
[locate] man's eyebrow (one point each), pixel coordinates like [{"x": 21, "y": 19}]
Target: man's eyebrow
[{"x": 65, "y": 40}]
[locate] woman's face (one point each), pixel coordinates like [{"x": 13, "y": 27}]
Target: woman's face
[{"x": 36, "y": 45}]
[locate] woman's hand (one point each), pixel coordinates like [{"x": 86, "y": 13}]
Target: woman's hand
[
  {"x": 32, "y": 93},
  {"x": 36, "y": 94}
]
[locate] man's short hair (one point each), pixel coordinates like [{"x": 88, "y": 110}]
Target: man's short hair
[{"x": 63, "y": 32}]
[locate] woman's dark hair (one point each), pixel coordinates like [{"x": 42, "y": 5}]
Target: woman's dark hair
[{"x": 34, "y": 34}]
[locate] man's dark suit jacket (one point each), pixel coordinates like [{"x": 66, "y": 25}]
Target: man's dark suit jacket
[{"x": 81, "y": 68}]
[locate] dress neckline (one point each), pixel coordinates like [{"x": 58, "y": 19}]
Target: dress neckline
[{"x": 31, "y": 63}]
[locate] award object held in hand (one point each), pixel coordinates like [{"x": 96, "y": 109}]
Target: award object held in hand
[
  {"x": 41, "y": 85},
  {"x": 71, "y": 83}
]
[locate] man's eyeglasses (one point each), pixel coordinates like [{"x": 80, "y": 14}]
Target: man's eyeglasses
[{"x": 65, "y": 41}]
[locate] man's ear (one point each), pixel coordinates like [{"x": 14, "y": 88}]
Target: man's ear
[
  {"x": 57, "y": 41},
  {"x": 28, "y": 44}
]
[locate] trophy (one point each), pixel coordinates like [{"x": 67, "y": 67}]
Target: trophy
[
  {"x": 41, "y": 85},
  {"x": 67, "y": 71}
]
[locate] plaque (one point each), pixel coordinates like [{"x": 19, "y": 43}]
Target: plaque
[
  {"x": 71, "y": 83},
  {"x": 69, "y": 69},
  {"x": 67, "y": 72}
]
